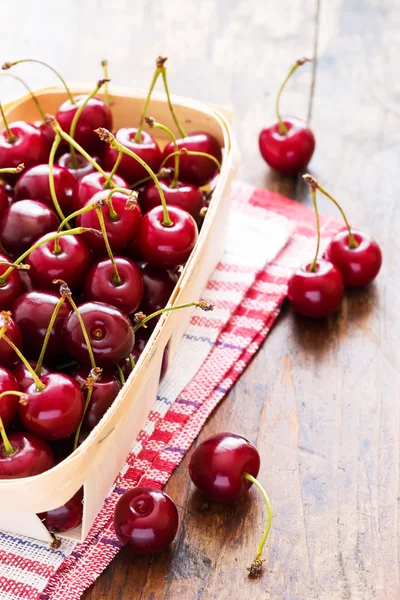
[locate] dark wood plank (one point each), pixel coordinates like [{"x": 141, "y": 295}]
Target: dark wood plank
[{"x": 320, "y": 399}]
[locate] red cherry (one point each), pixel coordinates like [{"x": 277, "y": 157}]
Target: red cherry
[
  {"x": 110, "y": 332},
  {"x": 95, "y": 114},
  {"x": 218, "y": 464},
  {"x": 105, "y": 390},
  {"x": 4, "y": 198},
  {"x": 71, "y": 264},
  {"x": 316, "y": 293},
  {"x": 195, "y": 169},
  {"x": 167, "y": 246},
  {"x": 120, "y": 230},
  {"x": 359, "y": 265},
  {"x": 54, "y": 412},
  {"x": 129, "y": 168},
  {"x": 29, "y": 147},
  {"x": 8, "y": 358},
  {"x": 9, "y": 403},
  {"x": 34, "y": 184},
  {"x": 290, "y": 152},
  {"x": 66, "y": 517},
  {"x": 89, "y": 185},
  {"x": 84, "y": 166},
  {"x": 31, "y": 456},
  {"x": 23, "y": 376},
  {"x": 146, "y": 520},
  {"x": 48, "y": 133},
  {"x": 158, "y": 287},
  {"x": 12, "y": 287},
  {"x": 100, "y": 284},
  {"x": 23, "y": 223},
  {"x": 32, "y": 312},
  {"x": 184, "y": 195}
]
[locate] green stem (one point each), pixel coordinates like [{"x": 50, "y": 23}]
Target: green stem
[
  {"x": 13, "y": 170},
  {"x": 352, "y": 241},
  {"x": 113, "y": 213},
  {"x": 174, "y": 181},
  {"x": 78, "y": 431},
  {"x": 314, "y": 200},
  {"x": 138, "y": 136},
  {"x": 202, "y": 305},
  {"x": 140, "y": 181},
  {"x": 171, "y": 108},
  {"x": 116, "y": 279},
  {"x": 132, "y": 361},
  {"x": 269, "y": 509},
  {"x": 76, "y": 119},
  {"x": 11, "y": 138},
  {"x": 191, "y": 153},
  {"x": 7, "y": 65},
  {"x": 8, "y": 449},
  {"x": 84, "y": 331},
  {"x": 39, "y": 385},
  {"x": 81, "y": 151},
  {"x": 104, "y": 64},
  {"x": 120, "y": 374},
  {"x": 50, "y": 326},
  {"x": 109, "y": 181},
  {"x": 52, "y": 187},
  {"x": 28, "y": 89},
  {"x": 20, "y": 267},
  {"x": 281, "y": 125},
  {"x": 80, "y": 211}
]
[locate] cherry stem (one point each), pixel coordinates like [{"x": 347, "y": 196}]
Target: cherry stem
[
  {"x": 94, "y": 375},
  {"x": 39, "y": 385},
  {"x": 104, "y": 64},
  {"x": 281, "y": 125},
  {"x": 50, "y": 326},
  {"x": 120, "y": 375},
  {"x": 138, "y": 136},
  {"x": 202, "y": 304},
  {"x": 313, "y": 267},
  {"x": 256, "y": 565},
  {"x": 28, "y": 89},
  {"x": 8, "y": 449},
  {"x": 171, "y": 108},
  {"x": 20, "y": 267},
  {"x": 13, "y": 170},
  {"x": 8, "y": 65},
  {"x": 191, "y": 153},
  {"x": 152, "y": 123},
  {"x": 73, "y": 215},
  {"x": 48, "y": 238},
  {"x": 116, "y": 279},
  {"x": 109, "y": 181},
  {"x": 11, "y": 138},
  {"x": 113, "y": 213},
  {"x": 52, "y": 187},
  {"x": 84, "y": 331},
  {"x": 76, "y": 119},
  {"x": 107, "y": 136},
  {"x": 352, "y": 241},
  {"x": 132, "y": 361}
]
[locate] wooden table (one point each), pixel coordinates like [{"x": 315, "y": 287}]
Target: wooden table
[{"x": 320, "y": 400}]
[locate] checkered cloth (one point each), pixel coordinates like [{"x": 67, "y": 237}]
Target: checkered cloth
[{"x": 269, "y": 235}]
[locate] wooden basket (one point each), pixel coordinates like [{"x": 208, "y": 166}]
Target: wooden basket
[{"x": 96, "y": 463}]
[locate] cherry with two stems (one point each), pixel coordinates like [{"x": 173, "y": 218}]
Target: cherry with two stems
[
  {"x": 288, "y": 144},
  {"x": 223, "y": 468}
]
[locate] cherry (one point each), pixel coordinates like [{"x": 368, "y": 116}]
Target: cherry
[
  {"x": 34, "y": 184},
  {"x": 8, "y": 358},
  {"x": 23, "y": 455},
  {"x": 8, "y": 402},
  {"x": 124, "y": 292},
  {"x": 146, "y": 148},
  {"x": 55, "y": 411},
  {"x": 167, "y": 245},
  {"x": 90, "y": 184},
  {"x": 32, "y": 312},
  {"x": 4, "y": 198},
  {"x": 67, "y": 258},
  {"x": 66, "y": 517},
  {"x": 23, "y": 223},
  {"x": 141, "y": 339},
  {"x": 195, "y": 169},
  {"x": 158, "y": 287},
  {"x": 287, "y": 145},
  {"x": 11, "y": 288},
  {"x": 23, "y": 375},
  {"x": 184, "y": 195},
  {"x": 21, "y": 142},
  {"x": 83, "y": 166},
  {"x": 47, "y": 132},
  {"x": 105, "y": 390},
  {"x": 146, "y": 520},
  {"x": 316, "y": 293},
  {"x": 110, "y": 333}
]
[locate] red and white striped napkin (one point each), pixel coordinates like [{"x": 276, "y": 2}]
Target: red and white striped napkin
[{"x": 269, "y": 235}]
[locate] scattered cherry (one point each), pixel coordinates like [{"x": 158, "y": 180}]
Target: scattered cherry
[
  {"x": 66, "y": 517},
  {"x": 359, "y": 264},
  {"x": 318, "y": 292}
]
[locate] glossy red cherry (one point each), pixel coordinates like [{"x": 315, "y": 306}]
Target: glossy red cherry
[
  {"x": 158, "y": 287},
  {"x": 31, "y": 456},
  {"x": 55, "y": 412},
  {"x": 30, "y": 146},
  {"x": 83, "y": 168},
  {"x": 71, "y": 264},
  {"x": 105, "y": 390},
  {"x": 184, "y": 195},
  {"x": 218, "y": 464},
  {"x": 359, "y": 265},
  {"x": 146, "y": 520},
  {"x": 290, "y": 152},
  {"x": 23, "y": 375},
  {"x": 120, "y": 230},
  {"x": 32, "y": 312},
  {"x": 9, "y": 403},
  {"x": 316, "y": 293},
  {"x": 66, "y": 517},
  {"x": 100, "y": 284},
  {"x": 95, "y": 114},
  {"x": 129, "y": 168},
  {"x": 48, "y": 133},
  {"x": 89, "y": 185},
  {"x": 4, "y": 198},
  {"x": 110, "y": 332},
  {"x": 23, "y": 223},
  {"x": 167, "y": 246},
  {"x": 34, "y": 184},
  {"x": 198, "y": 170},
  {"x": 12, "y": 287},
  {"x": 8, "y": 358}
]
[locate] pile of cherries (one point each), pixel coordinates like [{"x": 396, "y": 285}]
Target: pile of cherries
[
  {"x": 94, "y": 228},
  {"x": 352, "y": 259}
]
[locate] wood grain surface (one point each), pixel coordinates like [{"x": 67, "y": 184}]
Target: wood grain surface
[{"x": 320, "y": 400}]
